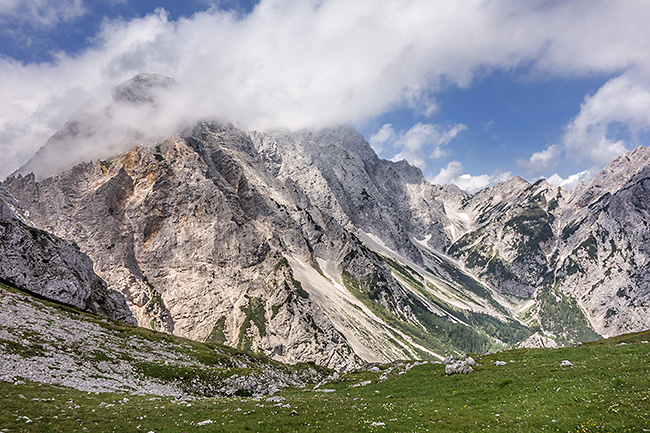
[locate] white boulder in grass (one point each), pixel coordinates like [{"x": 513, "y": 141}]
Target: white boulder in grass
[
  {"x": 459, "y": 367},
  {"x": 566, "y": 363}
]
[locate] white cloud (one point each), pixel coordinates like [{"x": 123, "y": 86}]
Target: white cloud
[
  {"x": 316, "y": 63},
  {"x": 41, "y": 12},
  {"x": 542, "y": 161},
  {"x": 448, "y": 174},
  {"x": 623, "y": 100},
  {"x": 571, "y": 181},
  {"x": 453, "y": 173},
  {"x": 472, "y": 184},
  {"x": 381, "y": 138},
  {"x": 607, "y": 126},
  {"x": 423, "y": 141}
]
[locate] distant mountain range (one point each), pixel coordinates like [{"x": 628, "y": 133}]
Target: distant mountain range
[{"x": 305, "y": 246}]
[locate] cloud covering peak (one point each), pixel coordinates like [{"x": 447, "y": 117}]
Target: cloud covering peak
[{"x": 316, "y": 63}]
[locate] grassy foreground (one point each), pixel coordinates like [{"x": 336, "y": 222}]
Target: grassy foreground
[{"x": 607, "y": 389}]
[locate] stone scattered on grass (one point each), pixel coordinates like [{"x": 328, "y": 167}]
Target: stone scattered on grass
[
  {"x": 566, "y": 363},
  {"x": 364, "y": 383},
  {"x": 458, "y": 367},
  {"x": 275, "y": 399},
  {"x": 499, "y": 363},
  {"x": 206, "y": 422}
]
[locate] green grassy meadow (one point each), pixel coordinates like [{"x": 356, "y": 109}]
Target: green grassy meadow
[{"x": 606, "y": 390}]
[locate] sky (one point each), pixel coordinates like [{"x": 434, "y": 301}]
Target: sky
[{"x": 472, "y": 92}]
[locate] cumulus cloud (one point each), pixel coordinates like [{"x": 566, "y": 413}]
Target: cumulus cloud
[
  {"x": 381, "y": 138},
  {"x": 40, "y": 12},
  {"x": 607, "y": 126},
  {"x": 624, "y": 100},
  {"x": 453, "y": 173},
  {"x": 542, "y": 161},
  {"x": 571, "y": 181},
  {"x": 316, "y": 63},
  {"x": 422, "y": 141},
  {"x": 448, "y": 174}
]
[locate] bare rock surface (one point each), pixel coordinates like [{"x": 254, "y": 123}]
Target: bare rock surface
[
  {"x": 197, "y": 236},
  {"x": 458, "y": 367},
  {"x": 538, "y": 341},
  {"x": 98, "y": 356},
  {"x": 44, "y": 264}
]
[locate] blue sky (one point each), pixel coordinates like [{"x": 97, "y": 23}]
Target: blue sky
[{"x": 471, "y": 92}]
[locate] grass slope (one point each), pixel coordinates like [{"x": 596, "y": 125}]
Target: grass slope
[
  {"x": 607, "y": 389},
  {"x": 51, "y": 343}
]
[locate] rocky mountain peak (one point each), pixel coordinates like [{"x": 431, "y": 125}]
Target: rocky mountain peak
[
  {"x": 143, "y": 88},
  {"x": 306, "y": 246},
  {"x": 612, "y": 177},
  {"x": 99, "y": 132}
]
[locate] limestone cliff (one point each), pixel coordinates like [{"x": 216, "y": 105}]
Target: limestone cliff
[
  {"x": 305, "y": 246},
  {"x": 44, "y": 264}
]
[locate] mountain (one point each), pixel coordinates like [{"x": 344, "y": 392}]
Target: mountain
[
  {"x": 135, "y": 116},
  {"x": 305, "y": 246},
  {"x": 579, "y": 256}
]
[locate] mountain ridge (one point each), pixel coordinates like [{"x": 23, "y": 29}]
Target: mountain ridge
[{"x": 306, "y": 246}]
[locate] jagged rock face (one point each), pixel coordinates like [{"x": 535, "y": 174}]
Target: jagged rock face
[
  {"x": 610, "y": 179},
  {"x": 606, "y": 255},
  {"x": 341, "y": 173},
  {"x": 510, "y": 234},
  {"x": 193, "y": 232},
  {"x": 42, "y": 263},
  {"x": 581, "y": 256},
  {"x": 265, "y": 241}
]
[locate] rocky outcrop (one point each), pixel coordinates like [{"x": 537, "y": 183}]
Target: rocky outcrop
[
  {"x": 461, "y": 366},
  {"x": 42, "y": 263},
  {"x": 538, "y": 341},
  {"x": 47, "y": 345},
  {"x": 606, "y": 254}
]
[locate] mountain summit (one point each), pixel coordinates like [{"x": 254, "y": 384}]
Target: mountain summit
[
  {"x": 142, "y": 89},
  {"x": 139, "y": 113}
]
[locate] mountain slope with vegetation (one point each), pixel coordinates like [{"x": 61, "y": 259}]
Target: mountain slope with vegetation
[
  {"x": 170, "y": 384},
  {"x": 50, "y": 343}
]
